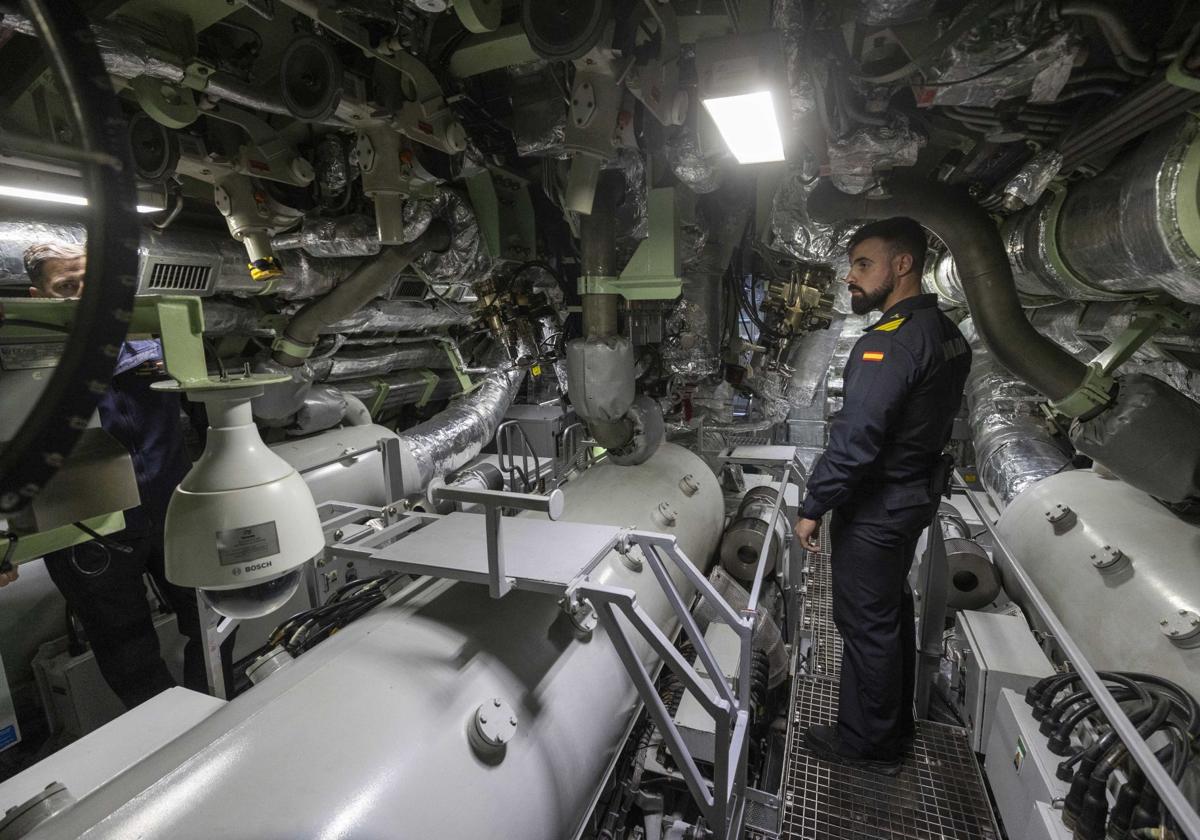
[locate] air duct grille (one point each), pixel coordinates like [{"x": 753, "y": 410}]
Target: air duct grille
[{"x": 169, "y": 275}]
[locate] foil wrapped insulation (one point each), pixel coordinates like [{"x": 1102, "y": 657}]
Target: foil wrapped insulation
[
  {"x": 356, "y": 363},
  {"x": 699, "y": 173},
  {"x": 892, "y": 12},
  {"x": 631, "y": 219},
  {"x": 398, "y": 316},
  {"x": 453, "y": 437},
  {"x": 343, "y": 236},
  {"x": 789, "y": 20},
  {"x": 1031, "y": 181},
  {"x": 1145, "y": 197},
  {"x": 467, "y": 259},
  {"x": 16, "y": 236},
  {"x": 695, "y": 325},
  {"x": 227, "y": 317},
  {"x": 1013, "y": 448},
  {"x": 794, "y": 232},
  {"x": 856, "y": 160},
  {"x": 976, "y": 66},
  {"x": 331, "y": 165},
  {"x": 539, "y": 122},
  {"x": 941, "y": 278},
  {"x": 128, "y": 55},
  {"x": 1103, "y": 322}
]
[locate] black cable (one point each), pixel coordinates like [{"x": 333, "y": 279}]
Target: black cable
[
  {"x": 1008, "y": 62},
  {"x": 22, "y": 322}
]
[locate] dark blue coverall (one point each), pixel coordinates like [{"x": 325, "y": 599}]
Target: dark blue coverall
[
  {"x": 105, "y": 588},
  {"x": 904, "y": 383}
]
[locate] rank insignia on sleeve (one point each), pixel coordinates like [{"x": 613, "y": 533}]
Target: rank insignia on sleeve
[{"x": 872, "y": 356}]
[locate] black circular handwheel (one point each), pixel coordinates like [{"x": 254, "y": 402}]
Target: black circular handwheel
[
  {"x": 154, "y": 148},
  {"x": 563, "y": 30},
  {"x": 310, "y": 78},
  {"x": 53, "y": 426}
]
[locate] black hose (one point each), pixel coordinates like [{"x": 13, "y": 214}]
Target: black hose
[
  {"x": 1116, "y": 31},
  {"x": 983, "y": 268},
  {"x": 54, "y": 424}
]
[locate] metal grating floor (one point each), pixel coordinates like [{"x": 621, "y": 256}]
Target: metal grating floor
[{"x": 939, "y": 795}]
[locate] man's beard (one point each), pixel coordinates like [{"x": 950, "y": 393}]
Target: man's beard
[{"x": 864, "y": 302}]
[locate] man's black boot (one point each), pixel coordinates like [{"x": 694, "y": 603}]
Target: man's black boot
[{"x": 824, "y": 743}]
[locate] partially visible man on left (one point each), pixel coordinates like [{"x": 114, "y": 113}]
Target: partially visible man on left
[{"x": 104, "y": 584}]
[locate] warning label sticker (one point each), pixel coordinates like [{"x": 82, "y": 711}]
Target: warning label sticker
[
  {"x": 8, "y": 735},
  {"x": 242, "y": 545}
]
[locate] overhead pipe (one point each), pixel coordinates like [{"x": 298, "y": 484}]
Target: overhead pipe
[
  {"x": 983, "y": 269},
  {"x": 127, "y": 56},
  {"x": 600, "y": 367},
  {"x": 367, "y": 282},
  {"x": 1139, "y": 427}
]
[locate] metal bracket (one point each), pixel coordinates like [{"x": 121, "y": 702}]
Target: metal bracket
[
  {"x": 509, "y": 436},
  {"x": 1095, "y": 391},
  {"x": 177, "y": 320},
  {"x": 653, "y": 271},
  {"x": 1147, "y": 320}
]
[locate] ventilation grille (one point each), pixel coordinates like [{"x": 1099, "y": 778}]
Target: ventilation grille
[{"x": 174, "y": 276}]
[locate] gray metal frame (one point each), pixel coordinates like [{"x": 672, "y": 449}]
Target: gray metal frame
[
  {"x": 723, "y": 802},
  {"x": 1170, "y": 794}
]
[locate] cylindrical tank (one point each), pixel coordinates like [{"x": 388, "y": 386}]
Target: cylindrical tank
[
  {"x": 1120, "y": 570},
  {"x": 356, "y": 479},
  {"x": 366, "y": 735},
  {"x": 743, "y": 540}
]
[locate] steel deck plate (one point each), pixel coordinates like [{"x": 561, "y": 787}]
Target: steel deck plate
[{"x": 939, "y": 795}]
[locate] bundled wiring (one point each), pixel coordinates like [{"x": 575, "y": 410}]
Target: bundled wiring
[
  {"x": 352, "y": 601},
  {"x": 1154, "y": 705}
]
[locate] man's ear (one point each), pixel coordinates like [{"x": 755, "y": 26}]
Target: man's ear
[{"x": 902, "y": 264}]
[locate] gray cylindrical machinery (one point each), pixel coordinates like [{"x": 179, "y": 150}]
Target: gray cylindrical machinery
[
  {"x": 386, "y": 729},
  {"x": 971, "y": 581},
  {"x": 1118, "y": 568},
  {"x": 743, "y": 540},
  {"x": 1150, "y": 196}
]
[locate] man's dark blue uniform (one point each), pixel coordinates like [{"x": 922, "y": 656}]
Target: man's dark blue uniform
[{"x": 903, "y": 385}]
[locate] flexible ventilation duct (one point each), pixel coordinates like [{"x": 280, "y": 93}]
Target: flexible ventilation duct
[
  {"x": 1013, "y": 448},
  {"x": 1134, "y": 228},
  {"x": 456, "y": 435}
]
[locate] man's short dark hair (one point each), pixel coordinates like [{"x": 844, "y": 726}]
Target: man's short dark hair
[
  {"x": 902, "y": 234},
  {"x": 38, "y": 254}
]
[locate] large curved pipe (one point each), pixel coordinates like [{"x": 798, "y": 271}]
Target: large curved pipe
[
  {"x": 983, "y": 267},
  {"x": 1112, "y": 25},
  {"x": 366, "y": 283}
]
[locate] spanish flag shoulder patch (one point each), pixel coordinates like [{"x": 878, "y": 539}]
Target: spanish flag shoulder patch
[
  {"x": 872, "y": 356},
  {"x": 892, "y": 325}
]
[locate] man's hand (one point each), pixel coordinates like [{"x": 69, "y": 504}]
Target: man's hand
[
  {"x": 808, "y": 531},
  {"x": 8, "y": 577}
]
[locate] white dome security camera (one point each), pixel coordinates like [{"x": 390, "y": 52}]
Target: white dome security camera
[{"x": 242, "y": 523}]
